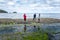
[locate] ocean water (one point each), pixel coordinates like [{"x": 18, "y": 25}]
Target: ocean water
[
  {"x": 29, "y": 15},
  {"x": 16, "y": 15}
]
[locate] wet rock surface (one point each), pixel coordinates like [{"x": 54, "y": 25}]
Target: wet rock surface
[{"x": 52, "y": 28}]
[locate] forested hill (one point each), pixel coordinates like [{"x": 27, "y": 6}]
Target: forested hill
[{"x": 3, "y": 11}]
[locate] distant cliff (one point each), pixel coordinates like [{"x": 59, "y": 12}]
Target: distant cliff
[{"x": 3, "y": 11}]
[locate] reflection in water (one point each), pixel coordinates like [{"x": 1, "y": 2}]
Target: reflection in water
[
  {"x": 25, "y": 28},
  {"x": 50, "y": 27},
  {"x": 4, "y": 30},
  {"x": 34, "y": 29}
]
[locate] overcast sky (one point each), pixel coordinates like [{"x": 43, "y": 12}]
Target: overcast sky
[{"x": 51, "y": 7}]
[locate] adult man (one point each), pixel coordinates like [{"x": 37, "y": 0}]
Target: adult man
[{"x": 34, "y": 17}]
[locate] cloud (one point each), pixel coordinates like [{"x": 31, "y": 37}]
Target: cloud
[
  {"x": 11, "y": 3},
  {"x": 54, "y": 3},
  {"x": 1, "y": 0},
  {"x": 29, "y": 6}
]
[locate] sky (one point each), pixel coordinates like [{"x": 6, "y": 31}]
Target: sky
[{"x": 50, "y": 7}]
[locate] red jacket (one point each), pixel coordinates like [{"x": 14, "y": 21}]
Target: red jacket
[{"x": 24, "y": 16}]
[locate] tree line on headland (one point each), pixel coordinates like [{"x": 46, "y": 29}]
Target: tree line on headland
[{"x": 3, "y": 11}]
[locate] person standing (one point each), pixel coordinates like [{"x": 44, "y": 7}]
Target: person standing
[
  {"x": 39, "y": 18},
  {"x": 24, "y": 17},
  {"x": 34, "y": 16}
]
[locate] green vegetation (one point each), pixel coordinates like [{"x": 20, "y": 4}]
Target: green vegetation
[
  {"x": 27, "y": 36},
  {"x": 36, "y": 36},
  {"x": 14, "y": 24}
]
